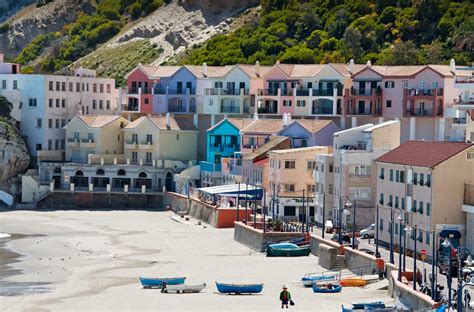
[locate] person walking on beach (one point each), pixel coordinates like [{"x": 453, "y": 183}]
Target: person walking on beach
[{"x": 285, "y": 297}]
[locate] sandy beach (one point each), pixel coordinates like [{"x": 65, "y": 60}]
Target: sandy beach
[{"x": 91, "y": 261}]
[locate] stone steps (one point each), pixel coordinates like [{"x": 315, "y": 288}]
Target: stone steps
[{"x": 340, "y": 262}]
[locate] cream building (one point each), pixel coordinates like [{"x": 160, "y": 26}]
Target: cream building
[
  {"x": 425, "y": 183},
  {"x": 94, "y": 134},
  {"x": 347, "y": 172},
  {"x": 291, "y": 179}
]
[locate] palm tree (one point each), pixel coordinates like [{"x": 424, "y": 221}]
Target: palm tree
[
  {"x": 5, "y": 107},
  {"x": 464, "y": 36}
]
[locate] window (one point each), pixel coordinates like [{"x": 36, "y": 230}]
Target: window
[
  {"x": 289, "y": 188},
  {"x": 211, "y": 102},
  {"x": 289, "y": 164},
  {"x": 50, "y": 144},
  {"x": 311, "y": 164},
  {"x": 63, "y": 144},
  {"x": 51, "y": 86},
  {"x": 101, "y": 104},
  {"x": 413, "y": 208},
  {"x": 149, "y": 138},
  {"x": 290, "y": 211},
  {"x": 434, "y": 85},
  {"x": 94, "y": 88},
  {"x": 470, "y": 155},
  {"x": 71, "y": 87},
  {"x": 390, "y": 200},
  {"x": 134, "y": 157},
  {"x": 56, "y": 144},
  {"x": 32, "y": 102},
  {"x": 405, "y": 84},
  {"x": 331, "y": 167},
  {"x": 101, "y": 88},
  {"x": 38, "y": 147},
  {"x": 63, "y": 123},
  {"x": 428, "y": 209},
  {"x": 149, "y": 157},
  {"x": 38, "y": 122},
  {"x": 422, "y": 178},
  {"x": 15, "y": 85},
  {"x": 428, "y": 180},
  {"x": 420, "y": 208},
  {"x": 422, "y": 85},
  {"x": 63, "y": 86},
  {"x": 108, "y": 88},
  {"x": 397, "y": 175},
  {"x": 50, "y": 102},
  {"x": 94, "y": 104},
  {"x": 57, "y": 102},
  {"x": 403, "y": 203},
  {"x": 50, "y": 123},
  {"x": 301, "y": 103},
  {"x": 148, "y": 102},
  {"x": 58, "y": 86},
  {"x": 415, "y": 178},
  {"x": 381, "y": 200},
  {"x": 361, "y": 170},
  {"x": 391, "y": 175},
  {"x": 402, "y": 176},
  {"x": 287, "y": 103},
  {"x": 63, "y": 103},
  {"x": 57, "y": 123},
  {"x": 4, "y": 84},
  {"x": 382, "y": 173},
  {"x": 389, "y": 84},
  {"x": 107, "y": 104},
  {"x": 78, "y": 87},
  {"x": 396, "y": 201},
  {"x": 311, "y": 188},
  {"x": 388, "y": 103},
  {"x": 362, "y": 193}
]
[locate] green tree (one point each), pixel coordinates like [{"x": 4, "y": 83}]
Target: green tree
[
  {"x": 5, "y": 107},
  {"x": 314, "y": 40},
  {"x": 298, "y": 55},
  {"x": 405, "y": 53},
  {"x": 352, "y": 39},
  {"x": 432, "y": 53}
]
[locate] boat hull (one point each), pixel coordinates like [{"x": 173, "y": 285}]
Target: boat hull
[
  {"x": 318, "y": 289},
  {"x": 287, "y": 252},
  {"x": 309, "y": 281},
  {"x": 239, "y": 288},
  {"x": 184, "y": 289},
  {"x": 353, "y": 282},
  {"x": 158, "y": 282}
]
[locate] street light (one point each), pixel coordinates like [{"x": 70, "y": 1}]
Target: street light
[
  {"x": 341, "y": 210},
  {"x": 403, "y": 221},
  {"x": 408, "y": 229},
  {"x": 377, "y": 254}
]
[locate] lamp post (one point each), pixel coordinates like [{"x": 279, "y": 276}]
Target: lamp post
[
  {"x": 403, "y": 221},
  {"x": 238, "y": 202},
  {"x": 377, "y": 254},
  {"x": 415, "y": 276},
  {"x": 324, "y": 213},
  {"x": 354, "y": 225},
  {"x": 246, "y": 199},
  {"x": 341, "y": 210},
  {"x": 302, "y": 214},
  {"x": 433, "y": 268},
  {"x": 392, "y": 260}
]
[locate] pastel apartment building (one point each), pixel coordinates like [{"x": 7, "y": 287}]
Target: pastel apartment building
[
  {"x": 347, "y": 173},
  {"x": 291, "y": 192},
  {"x": 44, "y": 104},
  {"x": 425, "y": 182}
]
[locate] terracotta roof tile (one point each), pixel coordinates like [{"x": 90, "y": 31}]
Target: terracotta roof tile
[
  {"x": 423, "y": 153},
  {"x": 307, "y": 70},
  {"x": 98, "y": 121},
  {"x": 160, "y": 122},
  {"x": 250, "y": 70},
  {"x": 165, "y": 71},
  {"x": 239, "y": 123},
  {"x": 212, "y": 71},
  {"x": 270, "y": 145},
  {"x": 313, "y": 125},
  {"x": 264, "y": 126}
]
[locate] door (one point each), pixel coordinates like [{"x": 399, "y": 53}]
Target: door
[
  {"x": 179, "y": 87},
  {"x": 230, "y": 87},
  {"x": 362, "y": 107},
  {"x": 273, "y": 88},
  {"x": 361, "y": 87},
  {"x": 189, "y": 86},
  {"x": 241, "y": 86}
]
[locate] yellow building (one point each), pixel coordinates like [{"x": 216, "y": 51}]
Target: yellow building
[
  {"x": 160, "y": 137},
  {"x": 94, "y": 134}
]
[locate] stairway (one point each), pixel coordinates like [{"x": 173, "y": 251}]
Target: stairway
[{"x": 340, "y": 262}]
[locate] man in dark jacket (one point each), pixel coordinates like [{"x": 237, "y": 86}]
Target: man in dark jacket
[{"x": 285, "y": 297}]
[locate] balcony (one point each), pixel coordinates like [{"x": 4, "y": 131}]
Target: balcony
[
  {"x": 131, "y": 144},
  {"x": 177, "y": 108},
  {"x": 366, "y": 111},
  {"x": 323, "y": 92},
  {"x": 423, "y": 93},
  {"x": 267, "y": 92},
  {"x": 73, "y": 142},
  {"x": 178, "y": 91},
  {"x": 224, "y": 147},
  {"x": 145, "y": 145},
  {"x": 302, "y": 92},
  {"x": 226, "y": 91},
  {"x": 210, "y": 167},
  {"x": 230, "y": 109},
  {"x": 287, "y": 92},
  {"x": 268, "y": 110},
  {"x": 138, "y": 90},
  {"x": 364, "y": 92},
  {"x": 466, "y": 103},
  {"x": 87, "y": 143}
]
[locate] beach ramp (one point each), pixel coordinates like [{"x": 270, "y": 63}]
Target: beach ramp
[{"x": 6, "y": 198}]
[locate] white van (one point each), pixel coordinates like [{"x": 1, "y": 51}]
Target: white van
[{"x": 368, "y": 232}]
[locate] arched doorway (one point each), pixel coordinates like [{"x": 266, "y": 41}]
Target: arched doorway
[
  {"x": 57, "y": 178},
  {"x": 121, "y": 179},
  {"x": 142, "y": 180},
  {"x": 169, "y": 181},
  {"x": 79, "y": 179},
  {"x": 100, "y": 181}
]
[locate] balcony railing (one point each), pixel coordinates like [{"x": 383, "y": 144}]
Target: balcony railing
[
  {"x": 225, "y": 91},
  {"x": 177, "y": 108},
  {"x": 268, "y": 110},
  {"x": 321, "y": 110},
  {"x": 230, "y": 109},
  {"x": 424, "y": 92},
  {"x": 287, "y": 92},
  {"x": 323, "y": 92},
  {"x": 269, "y": 92},
  {"x": 356, "y": 111},
  {"x": 420, "y": 112},
  {"x": 87, "y": 141},
  {"x": 302, "y": 92}
]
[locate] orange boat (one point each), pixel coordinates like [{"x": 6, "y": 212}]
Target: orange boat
[{"x": 353, "y": 282}]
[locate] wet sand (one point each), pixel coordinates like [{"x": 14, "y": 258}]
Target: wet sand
[{"x": 91, "y": 262}]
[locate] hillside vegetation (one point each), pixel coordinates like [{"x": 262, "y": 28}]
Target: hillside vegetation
[
  {"x": 391, "y": 32},
  {"x": 84, "y": 34}
]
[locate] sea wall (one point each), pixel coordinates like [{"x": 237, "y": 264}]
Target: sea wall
[{"x": 256, "y": 239}]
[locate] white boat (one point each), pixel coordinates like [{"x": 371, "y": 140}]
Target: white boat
[{"x": 181, "y": 289}]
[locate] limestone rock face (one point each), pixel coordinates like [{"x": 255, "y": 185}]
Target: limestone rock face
[{"x": 14, "y": 157}]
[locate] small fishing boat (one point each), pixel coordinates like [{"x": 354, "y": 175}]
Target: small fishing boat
[
  {"x": 309, "y": 279},
  {"x": 327, "y": 288},
  {"x": 158, "y": 282},
  {"x": 182, "y": 289},
  {"x": 239, "y": 288},
  {"x": 353, "y": 282},
  {"x": 364, "y": 305},
  {"x": 287, "y": 250}
]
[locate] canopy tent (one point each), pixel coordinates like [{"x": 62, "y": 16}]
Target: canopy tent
[{"x": 245, "y": 191}]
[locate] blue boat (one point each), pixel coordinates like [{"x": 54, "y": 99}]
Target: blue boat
[
  {"x": 239, "y": 288},
  {"x": 158, "y": 282},
  {"x": 328, "y": 288},
  {"x": 368, "y": 305}
]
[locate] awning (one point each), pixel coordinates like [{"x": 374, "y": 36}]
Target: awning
[
  {"x": 450, "y": 233},
  {"x": 250, "y": 191}
]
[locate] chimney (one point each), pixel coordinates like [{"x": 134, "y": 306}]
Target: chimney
[
  {"x": 257, "y": 68},
  {"x": 1, "y": 58},
  {"x": 255, "y": 116},
  {"x": 285, "y": 119},
  {"x": 168, "y": 122},
  {"x": 351, "y": 66},
  {"x": 452, "y": 66},
  {"x": 288, "y": 118},
  {"x": 277, "y": 62},
  {"x": 369, "y": 63},
  {"x": 385, "y": 69},
  {"x": 204, "y": 69}
]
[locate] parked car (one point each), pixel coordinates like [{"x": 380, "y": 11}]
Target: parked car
[{"x": 368, "y": 232}]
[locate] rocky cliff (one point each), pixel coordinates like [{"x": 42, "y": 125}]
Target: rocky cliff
[
  {"x": 10, "y": 7},
  {"x": 14, "y": 157}
]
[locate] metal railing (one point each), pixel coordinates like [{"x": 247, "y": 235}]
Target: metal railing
[{"x": 323, "y": 92}]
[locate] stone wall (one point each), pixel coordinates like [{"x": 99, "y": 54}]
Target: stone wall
[
  {"x": 256, "y": 239},
  {"x": 410, "y": 297},
  {"x": 316, "y": 241},
  {"x": 357, "y": 259},
  {"x": 327, "y": 256}
]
